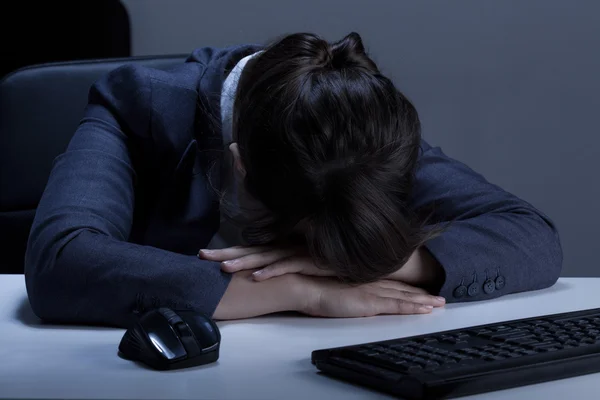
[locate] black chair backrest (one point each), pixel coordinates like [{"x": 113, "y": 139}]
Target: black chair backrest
[{"x": 40, "y": 108}]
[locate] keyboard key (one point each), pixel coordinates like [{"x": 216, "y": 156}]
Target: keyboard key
[
  {"x": 493, "y": 358},
  {"x": 510, "y": 334},
  {"x": 513, "y": 348},
  {"x": 522, "y": 341},
  {"x": 546, "y": 349},
  {"x": 528, "y": 352},
  {"x": 505, "y": 345},
  {"x": 399, "y": 347},
  {"x": 385, "y": 358},
  {"x": 536, "y": 321},
  {"x": 368, "y": 353}
]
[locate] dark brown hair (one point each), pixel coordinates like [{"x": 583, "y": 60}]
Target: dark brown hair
[{"x": 328, "y": 141}]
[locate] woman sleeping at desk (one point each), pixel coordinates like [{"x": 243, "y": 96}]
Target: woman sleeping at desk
[{"x": 251, "y": 180}]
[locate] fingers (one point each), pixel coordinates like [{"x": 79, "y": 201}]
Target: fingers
[
  {"x": 256, "y": 260},
  {"x": 291, "y": 265},
  {"x": 397, "y": 290},
  {"x": 231, "y": 252},
  {"x": 389, "y": 284},
  {"x": 389, "y": 305},
  {"x": 277, "y": 269},
  {"x": 417, "y": 298}
]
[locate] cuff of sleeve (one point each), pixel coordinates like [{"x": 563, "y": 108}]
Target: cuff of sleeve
[
  {"x": 185, "y": 282},
  {"x": 456, "y": 263},
  {"x": 205, "y": 288}
]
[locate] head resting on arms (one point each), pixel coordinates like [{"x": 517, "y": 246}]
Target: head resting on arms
[{"x": 329, "y": 146}]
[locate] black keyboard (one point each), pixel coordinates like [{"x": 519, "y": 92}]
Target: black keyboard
[{"x": 472, "y": 360}]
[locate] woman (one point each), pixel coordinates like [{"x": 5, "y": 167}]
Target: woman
[{"x": 300, "y": 157}]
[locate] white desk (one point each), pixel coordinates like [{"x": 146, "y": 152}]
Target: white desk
[{"x": 262, "y": 358}]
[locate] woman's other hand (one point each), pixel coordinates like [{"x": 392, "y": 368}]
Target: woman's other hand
[{"x": 270, "y": 261}]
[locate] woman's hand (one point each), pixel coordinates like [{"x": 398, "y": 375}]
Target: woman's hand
[
  {"x": 331, "y": 298},
  {"x": 271, "y": 261},
  {"x": 320, "y": 297}
]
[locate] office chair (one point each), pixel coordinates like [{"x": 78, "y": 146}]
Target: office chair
[{"x": 40, "y": 108}]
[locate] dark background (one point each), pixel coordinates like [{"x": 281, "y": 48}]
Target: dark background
[
  {"x": 36, "y": 32},
  {"x": 510, "y": 87}
]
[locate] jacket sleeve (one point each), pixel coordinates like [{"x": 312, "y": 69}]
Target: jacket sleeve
[
  {"x": 79, "y": 267},
  {"x": 494, "y": 243}
]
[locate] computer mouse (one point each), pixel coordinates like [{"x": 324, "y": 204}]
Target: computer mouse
[{"x": 166, "y": 339}]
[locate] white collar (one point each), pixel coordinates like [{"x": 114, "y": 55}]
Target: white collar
[
  {"x": 228, "y": 97},
  {"x": 229, "y": 234}
]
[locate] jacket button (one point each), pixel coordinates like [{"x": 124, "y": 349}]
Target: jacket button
[
  {"x": 460, "y": 291},
  {"x": 500, "y": 282},
  {"x": 489, "y": 286},
  {"x": 473, "y": 289}
]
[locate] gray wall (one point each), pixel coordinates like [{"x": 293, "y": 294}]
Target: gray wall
[{"x": 510, "y": 87}]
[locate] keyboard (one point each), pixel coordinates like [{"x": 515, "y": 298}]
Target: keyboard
[{"x": 472, "y": 360}]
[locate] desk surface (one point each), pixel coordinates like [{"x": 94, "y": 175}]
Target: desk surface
[{"x": 261, "y": 358}]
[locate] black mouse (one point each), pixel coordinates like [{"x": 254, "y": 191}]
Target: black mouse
[{"x": 165, "y": 339}]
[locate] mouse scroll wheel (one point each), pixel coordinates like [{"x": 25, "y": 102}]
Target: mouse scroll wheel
[
  {"x": 170, "y": 315},
  {"x": 183, "y": 329}
]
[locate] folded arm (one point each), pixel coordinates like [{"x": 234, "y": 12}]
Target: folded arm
[
  {"x": 492, "y": 234},
  {"x": 79, "y": 266}
]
